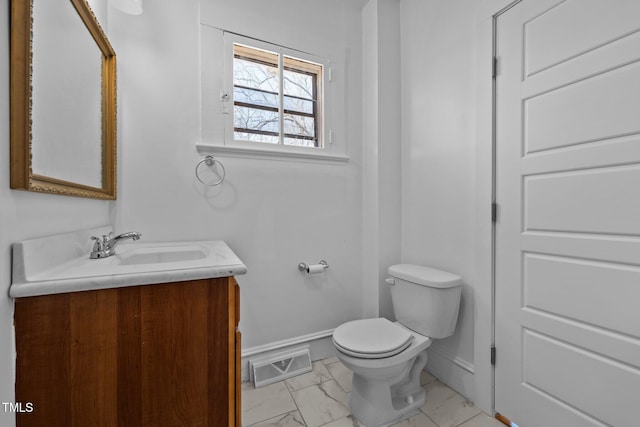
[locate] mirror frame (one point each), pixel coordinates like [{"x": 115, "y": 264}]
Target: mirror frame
[{"x": 22, "y": 176}]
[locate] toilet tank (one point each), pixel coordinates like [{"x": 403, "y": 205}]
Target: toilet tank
[{"x": 425, "y": 299}]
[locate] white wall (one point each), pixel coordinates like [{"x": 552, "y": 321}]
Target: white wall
[
  {"x": 25, "y": 215},
  {"x": 438, "y": 160},
  {"x": 381, "y": 147},
  {"x": 273, "y": 213},
  {"x": 447, "y": 167}
]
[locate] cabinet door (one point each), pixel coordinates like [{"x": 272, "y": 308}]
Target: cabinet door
[
  {"x": 156, "y": 355},
  {"x": 238, "y": 359},
  {"x": 66, "y": 359},
  {"x": 175, "y": 353},
  {"x": 221, "y": 336}
]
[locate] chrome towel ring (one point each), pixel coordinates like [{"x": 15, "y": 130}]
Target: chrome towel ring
[{"x": 210, "y": 161}]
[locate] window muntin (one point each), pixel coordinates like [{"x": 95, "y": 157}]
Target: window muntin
[{"x": 276, "y": 98}]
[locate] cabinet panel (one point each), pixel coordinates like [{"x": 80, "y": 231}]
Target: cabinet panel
[
  {"x": 238, "y": 357},
  {"x": 93, "y": 358},
  {"x": 42, "y": 365},
  {"x": 129, "y": 357},
  {"x": 220, "y": 382},
  {"x": 174, "y": 354},
  {"x": 238, "y": 381},
  {"x": 157, "y": 355}
]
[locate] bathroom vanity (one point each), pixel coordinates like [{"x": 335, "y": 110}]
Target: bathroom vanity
[{"x": 118, "y": 350}]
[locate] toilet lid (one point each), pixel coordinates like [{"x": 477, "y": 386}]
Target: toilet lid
[{"x": 371, "y": 338}]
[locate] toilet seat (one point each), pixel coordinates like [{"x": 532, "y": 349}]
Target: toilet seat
[{"x": 371, "y": 338}]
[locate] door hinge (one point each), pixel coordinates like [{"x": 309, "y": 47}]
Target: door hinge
[
  {"x": 494, "y": 67},
  {"x": 494, "y": 212},
  {"x": 493, "y": 355}
]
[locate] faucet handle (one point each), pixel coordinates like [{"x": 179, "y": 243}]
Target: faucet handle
[{"x": 99, "y": 244}]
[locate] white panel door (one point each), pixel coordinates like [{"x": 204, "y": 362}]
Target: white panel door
[{"x": 568, "y": 226}]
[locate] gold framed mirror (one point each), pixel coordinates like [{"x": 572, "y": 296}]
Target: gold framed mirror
[{"x": 63, "y": 100}]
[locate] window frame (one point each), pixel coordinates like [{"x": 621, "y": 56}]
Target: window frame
[{"x": 321, "y": 103}]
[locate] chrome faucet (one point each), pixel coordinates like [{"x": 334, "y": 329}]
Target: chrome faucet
[{"x": 106, "y": 246}]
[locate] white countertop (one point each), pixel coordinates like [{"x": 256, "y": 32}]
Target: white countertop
[{"x": 59, "y": 264}]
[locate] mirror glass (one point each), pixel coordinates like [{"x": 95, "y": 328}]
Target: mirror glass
[
  {"x": 66, "y": 75},
  {"x": 66, "y": 142}
]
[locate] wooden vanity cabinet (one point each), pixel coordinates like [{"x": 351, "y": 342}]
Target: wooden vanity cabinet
[{"x": 154, "y": 355}]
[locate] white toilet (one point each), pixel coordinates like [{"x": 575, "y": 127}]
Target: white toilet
[{"x": 386, "y": 358}]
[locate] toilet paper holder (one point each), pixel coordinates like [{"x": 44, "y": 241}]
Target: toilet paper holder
[{"x": 310, "y": 268}]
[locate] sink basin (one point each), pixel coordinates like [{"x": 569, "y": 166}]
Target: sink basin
[
  {"x": 162, "y": 254},
  {"x": 58, "y": 264}
]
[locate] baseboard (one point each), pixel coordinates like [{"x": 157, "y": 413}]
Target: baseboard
[
  {"x": 320, "y": 347},
  {"x": 450, "y": 369}
]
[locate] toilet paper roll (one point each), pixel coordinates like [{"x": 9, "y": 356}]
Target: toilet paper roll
[{"x": 315, "y": 269}]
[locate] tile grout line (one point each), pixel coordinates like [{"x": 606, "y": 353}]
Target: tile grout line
[
  {"x": 282, "y": 413},
  {"x": 427, "y": 415},
  {"x": 295, "y": 402},
  {"x": 331, "y": 378}
]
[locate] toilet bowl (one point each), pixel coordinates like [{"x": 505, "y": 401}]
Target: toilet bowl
[
  {"x": 386, "y": 385},
  {"x": 386, "y": 357}
]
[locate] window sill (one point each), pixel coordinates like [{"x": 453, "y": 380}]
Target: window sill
[{"x": 270, "y": 153}]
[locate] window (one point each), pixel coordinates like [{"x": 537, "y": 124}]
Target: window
[
  {"x": 263, "y": 100},
  {"x": 277, "y": 98}
]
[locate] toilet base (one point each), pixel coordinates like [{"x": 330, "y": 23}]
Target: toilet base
[{"x": 377, "y": 404}]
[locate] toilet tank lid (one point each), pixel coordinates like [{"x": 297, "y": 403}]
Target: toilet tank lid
[{"x": 425, "y": 276}]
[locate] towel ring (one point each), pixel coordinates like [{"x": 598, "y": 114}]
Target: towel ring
[{"x": 210, "y": 161}]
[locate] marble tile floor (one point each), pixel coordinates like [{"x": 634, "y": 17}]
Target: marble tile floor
[{"x": 320, "y": 398}]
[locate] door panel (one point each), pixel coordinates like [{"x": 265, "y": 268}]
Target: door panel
[
  {"x": 594, "y": 200},
  {"x": 551, "y": 282},
  {"x": 591, "y": 27},
  {"x": 603, "y": 377},
  {"x": 567, "y": 242},
  {"x": 596, "y": 108}
]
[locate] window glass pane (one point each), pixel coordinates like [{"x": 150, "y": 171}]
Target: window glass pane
[
  {"x": 258, "y": 90},
  {"x": 245, "y": 118},
  {"x": 255, "y": 75},
  {"x": 255, "y": 97},
  {"x": 298, "y": 105},
  {"x": 298, "y": 84},
  {"x": 300, "y": 142},
  {"x": 256, "y": 137},
  {"x": 299, "y": 125}
]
